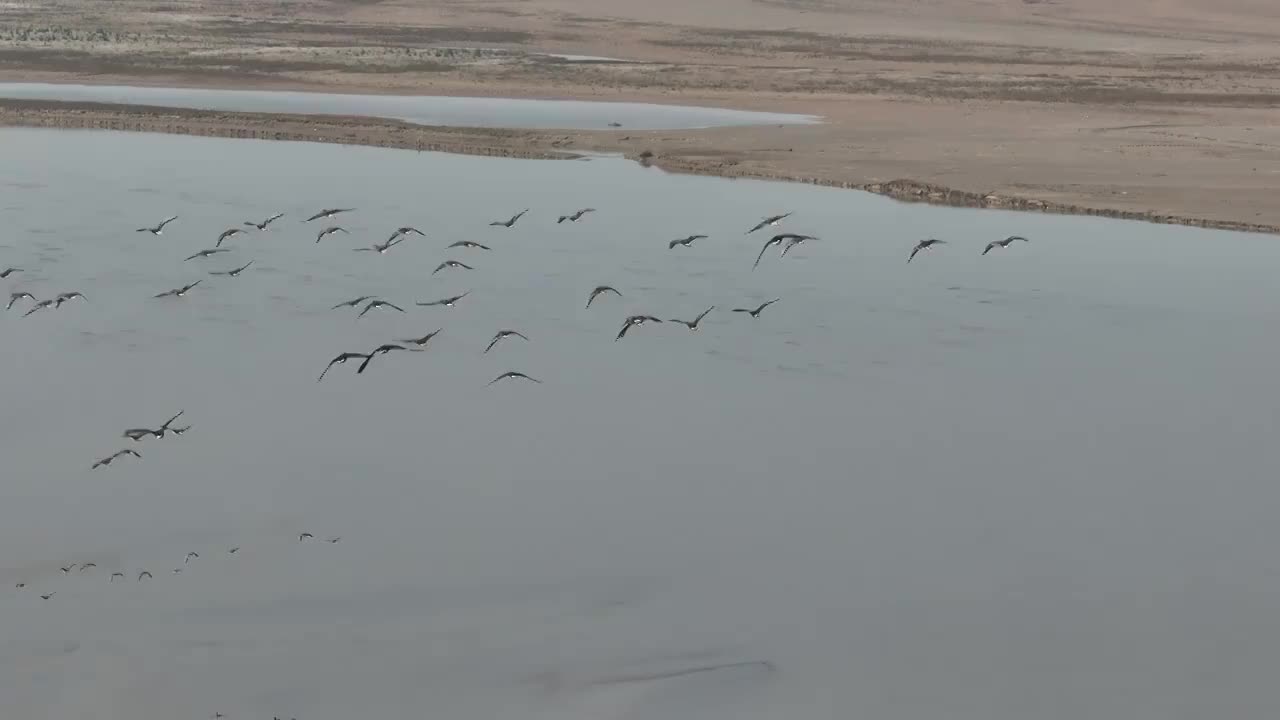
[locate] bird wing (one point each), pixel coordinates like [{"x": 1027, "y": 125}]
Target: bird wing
[
  {"x": 493, "y": 342},
  {"x": 440, "y": 267},
  {"x": 766, "y": 247},
  {"x": 704, "y": 314},
  {"x": 366, "y": 362},
  {"x": 366, "y": 309},
  {"x": 166, "y": 221},
  {"x": 759, "y": 225},
  {"x": 169, "y": 422},
  {"x": 625, "y": 327},
  {"x": 916, "y": 249},
  {"x": 989, "y": 246}
]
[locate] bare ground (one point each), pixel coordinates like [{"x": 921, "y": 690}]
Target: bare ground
[{"x": 1160, "y": 109}]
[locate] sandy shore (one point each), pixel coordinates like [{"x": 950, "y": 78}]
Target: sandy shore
[{"x": 1030, "y": 106}]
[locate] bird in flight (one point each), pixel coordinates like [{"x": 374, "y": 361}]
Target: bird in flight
[
  {"x": 110, "y": 458},
  {"x": 770, "y": 221},
  {"x": 191, "y": 556},
  {"x": 328, "y": 213},
  {"x": 377, "y": 304},
  {"x": 469, "y": 244},
  {"x": 15, "y": 297},
  {"x": 136, "y": 434},
  {"x": 86, "y": 566},
  {"x": 451, "y": 264},
  {"x": 67, "y": 297},
  {"x": 575, "y": 217},
  {"x": 420, "y": 341},
  {"x": 143, "y": 574},
  {"x": 340, "y": 360},
  {"x": 380, "y": 249},
  {"x": 512, "y": 221},
  {"x": 1002, "y": 243},
  {"x": 924, "y": 244},
  {"x": 39, "y": 306},
  {"x": 305, "y": 536},
  {"x": 406, "y": 231},
  {"x": 234, "y": 550},
  {"x": 179, "y": 430},
  {"x": 756, "y": 313},
  {"x": 633, "y": 321},
  {"x": 600, "y": 290},
  {"x": 511, "y": 375},
  {"x": 502, "y": 335},
  {"x": 779, "y": 239},
  {"x": 20, "y": 585},
  {"x": 115, "y": 575},
  {"x": 795, "y": 241},
  {"x": 207, "y": 253},
  {"x": 332, "y": 540},
  {"x": 329, "y": 231},
  {"x": 382, "y": 350},
  {"x": 68, "y": 568},
  {"x": 46, "y": 597},
  {"x": 9, "y": 272},
  {"x": 263, "y": 225},
  {"x": 354, "y": 302},
  {"x": 684, "y": 241},
  {"x": 165, "y": 427},
  {"x": 694, "y": 324},
  {"x": 234, "y": 272},
  {"x": 178, "y": 292},
  {"x": 158, "y": 229},
  {"x": 447, "y": 302},
  {"x": 229, "y": 232}
]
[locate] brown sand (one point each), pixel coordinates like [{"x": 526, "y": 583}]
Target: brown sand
[{"x": 1157, "y": 109}]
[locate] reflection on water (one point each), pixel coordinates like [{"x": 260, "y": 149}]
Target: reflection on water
[
  {"x": 417, "y": 109},
  {"x": 1039, "y": 483}
]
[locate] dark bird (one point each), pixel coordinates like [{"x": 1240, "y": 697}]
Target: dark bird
[
  {"x": 1003, "y": 243},
  {"x": 340, "y": 360},
  {"x": 234, "y": 550},
  {"x": 447, "y": 302},
  {"x": 207, "y": 253},
  {"x": 332, "y": 540},
  {"x": 378, "y": 304},
  {"x": 633, "y": 321},
  {"x": 380, "y": 249},
  {"x": 68, "y": 568},
  {"x": 165, "y": 427},
  {"x": 20, "y": 585},
  {"x": 770, "y": 221},
  {"x": 305, "y": 536},
  {"x": 424, "y": 339},
  {"x": 600, "y": 290},
  {"x": 178, "y": 292},
  {"x": 143, "y": 574},
  {"x": 512, "y": 221},
  {"x": 263, "y": 225},
  {"x": 15, "y": 297},
  {"x": 382, "y": 350},
  {"x": 159, "y": 229},
  {"x": 328, "y": 213},
  {"x": 353, "y": 303},
  {"x": 115, "y": 575},
  {"x": 86, "y": 566},
  {"x": 923, "y": 244},
  {"x": 229, "y": 232},
  {"x": 503, "y": 334},
  {"x": 756, "y": 313},
  {"x": 39, "y": 306},
  {"x": 9, "y": 272},
  {"x": 469, "y": 244},
  {"x": 451, "y": 264},
  {"x": 779, "y": 239},
  {"x": 191, "y": 556},
  {"x": 575, "y": 217},
  {"x": 234, "y": 272},
  {"x": 177, "y": 571},
  {"x": 685, "y": 241},
  {"x": 108, "y": 460},
  {"x": 136, "y": 434},
  {"x": 694, "y": 325},
  {"x": 46, "y": 597},
  {"x": 67, "y": 297},
  {"x": 406, "y": 230},
  {"x": 507, "y": 375},
  {"x": 795, "y": 241},
  {"x": 615, "y": 124},
  {"x": 179, "y": 430},
  {"x": 329, "y": 231}
]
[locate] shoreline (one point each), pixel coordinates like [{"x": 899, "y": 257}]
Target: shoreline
[{"x": 531, "y": 145}]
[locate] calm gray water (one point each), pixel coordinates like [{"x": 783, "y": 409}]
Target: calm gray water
[
  {"x": 421, "y": 110},
  {"x": 1037, "y": 484}
]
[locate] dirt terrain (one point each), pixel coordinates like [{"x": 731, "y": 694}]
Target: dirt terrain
[{"x": 1160, "y": 109}]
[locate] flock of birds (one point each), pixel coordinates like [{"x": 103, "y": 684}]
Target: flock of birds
[{"x": 787, "y": 241}]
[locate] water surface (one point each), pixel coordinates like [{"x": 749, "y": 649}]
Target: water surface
[
  {"x": 1036, "y": 484},
  {"x": 417, "y": 109}
]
